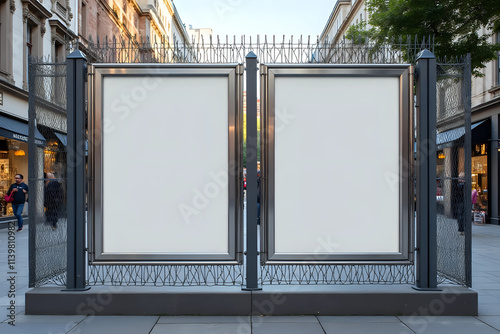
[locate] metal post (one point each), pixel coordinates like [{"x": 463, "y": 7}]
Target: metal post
[
  {"x": 493, "y": 195},
  {"x": 33, "y": 166},
  {"x": 252, "y": 254},
  {"x": 467, "y": 201},
  {"x": 426, "y": 172},
  {"x": 77, "y": 71}
]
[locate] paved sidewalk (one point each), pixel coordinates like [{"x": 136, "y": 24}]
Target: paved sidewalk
[{"x": 486, "y": 273}]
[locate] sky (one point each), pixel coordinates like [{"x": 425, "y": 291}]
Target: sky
[{"x": 257, "y": 17}]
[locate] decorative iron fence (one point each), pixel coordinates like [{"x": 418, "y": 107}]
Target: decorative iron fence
[
  {"x": 269, "y": 50},
  {"x": 47, "y": 111}
]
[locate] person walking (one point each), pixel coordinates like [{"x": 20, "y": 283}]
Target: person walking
[
  {"x": 473, "y": 198},
  {"x": 20, "y": 189},
  {"x": 460, "y": 208},
  {"x": 52, "y": 200}
]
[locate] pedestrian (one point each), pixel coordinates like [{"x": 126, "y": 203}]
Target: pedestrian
[
  {"x": 52, "y": 200},
  {"x": 474, "y": 196},
  {"x": 460, "y": 209},
  {"x": 20, "y": 189}
]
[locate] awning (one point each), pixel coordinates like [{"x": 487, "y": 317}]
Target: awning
[
  {"x": 62, "y": 138},
  {"x": 18, "y": 130},
  {"x": 454, "y": 134}
]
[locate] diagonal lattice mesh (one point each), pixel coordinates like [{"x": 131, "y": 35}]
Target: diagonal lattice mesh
[
  {"x": 47, "y": 172},
  {"x": 453, "y": 171},
  {"x": 337, "y": 274},
  {"x": 171, "y": 275}
]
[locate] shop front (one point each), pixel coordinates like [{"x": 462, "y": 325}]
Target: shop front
[
  {"x": 480, "y": 181},
  {"x": 450, "y": 157},
  {"x": 480, "y": 170},
  {"x": 13, "y": 158}
]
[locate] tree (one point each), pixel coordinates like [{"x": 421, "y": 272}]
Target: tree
[
  {"x": 455, "y": 25},
  {"x": 359, "y": 34}
]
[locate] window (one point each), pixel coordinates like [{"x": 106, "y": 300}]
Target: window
[
  {"x": 498, "y": 62},
  {"x": 6, "y": 54},
  {"x": 29, "y": 47},
  {"x": 84, "y": 20},
  {"x": 62, "y": 9},
  {"x": 34, "y": 14},
  {"x": 29, "y": 39}
]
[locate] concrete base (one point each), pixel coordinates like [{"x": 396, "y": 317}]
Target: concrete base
[{"x": 272, "y": 300}]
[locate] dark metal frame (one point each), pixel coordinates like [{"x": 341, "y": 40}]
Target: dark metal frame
[
  {"x": 426, "y": 264},
  {"x": 233, "y": 72},
  {"x": 77, "y": 72},
  {"x": 406, "y": 214}
]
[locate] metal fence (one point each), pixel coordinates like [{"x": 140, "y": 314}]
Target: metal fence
[
  {"x": 454, "y": 207},
  {"x": 48, "y": 247},
  {"x": 269, "y": 50},
  {"x": 47, "y": 173}
]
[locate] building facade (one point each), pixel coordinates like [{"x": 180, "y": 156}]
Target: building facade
[
  {"x": 28, "y": 28},
  {"x": 49, "y": 31},
  {"x": 485, "y": 102},
  {"x": 485, "y": 140},
  {"x": 199, "y": 35},
  {"x": 128, "y": 24}
]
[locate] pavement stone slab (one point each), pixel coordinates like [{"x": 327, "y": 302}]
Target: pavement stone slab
[
  {"x": 204, "y": 320},
  {"x": 38, "y": 328},
  {"x": 491, "y": 320},
  {"x": 115, "y": 324},
  {"x": 360, "y": 319},
  {"x": 454, "y": 328},
  {"x": 288, "y": 328},
  {"x": 366, "y": 327},
  {"x": 285, "y": 319},
  {"x": 217, "y": 328}
]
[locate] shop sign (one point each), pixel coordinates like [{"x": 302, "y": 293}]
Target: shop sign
[{"x": 25, "y": 138}]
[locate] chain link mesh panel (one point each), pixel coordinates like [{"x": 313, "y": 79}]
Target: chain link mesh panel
[
  {"x": 337, "y": 274},
  {"x": 453, "y": 172},
  {"x": 47, "y": 173},
  {"x": 171, "y": 275}
]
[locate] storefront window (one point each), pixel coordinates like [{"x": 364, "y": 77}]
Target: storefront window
[
  {"x": 480, "y": 175},
  {"x": 13, "y": 160}
]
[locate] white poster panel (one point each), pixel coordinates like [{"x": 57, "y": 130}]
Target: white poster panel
[
  {"x": 337, "y": 167},
  {"x": 163, "y": 167}
]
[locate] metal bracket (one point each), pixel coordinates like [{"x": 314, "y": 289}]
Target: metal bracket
[
  {"x": 240, "y": 69},
  {"x": 263, "y": 70}
]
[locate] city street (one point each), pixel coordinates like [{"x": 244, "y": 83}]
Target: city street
[{"x": 486, "y": 270}]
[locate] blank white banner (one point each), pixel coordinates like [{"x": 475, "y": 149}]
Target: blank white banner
[
  {"x": 162, "y": 183},
  {"x": 337, "y": 167}
]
